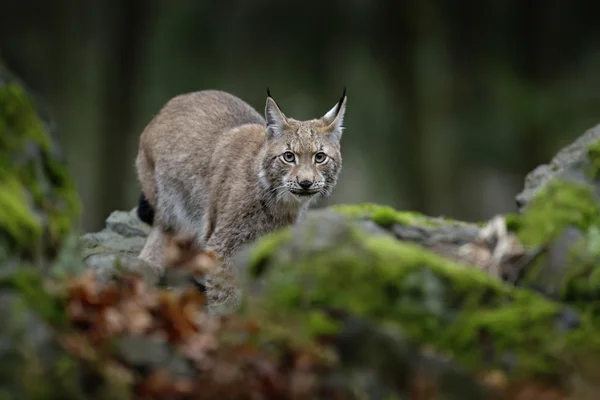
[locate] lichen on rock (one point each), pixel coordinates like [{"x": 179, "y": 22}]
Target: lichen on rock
[{"x": 38, "y": 201}]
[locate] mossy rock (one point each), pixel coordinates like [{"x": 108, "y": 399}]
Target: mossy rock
[
  {"x": 560, "y": 216},
  {"x": 386, "y": 216},
  {"x": 560, "y": 204},
  {"x": 330, "y": 263},
  {"x": 38, "y": 201},
  {"x": 578, "y": 162},
  {"x": 563, "y": 221}
]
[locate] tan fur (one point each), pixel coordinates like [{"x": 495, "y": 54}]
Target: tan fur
[{"x": 214, "y": 168}]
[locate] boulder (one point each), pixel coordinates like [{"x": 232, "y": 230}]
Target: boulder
[
  {"x": 38, "y": 201},
  {"x": 578, "y": 162},
  {"x": 115, "y": 248},
  {"x": 560, "y": 218},
  {"x": 326, "y": 265}
]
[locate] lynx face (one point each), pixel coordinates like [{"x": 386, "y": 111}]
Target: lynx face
[{"x": 302, "y": 159}]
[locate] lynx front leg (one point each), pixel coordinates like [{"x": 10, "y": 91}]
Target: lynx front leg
[
  {"x": 154, "y": 248},
  {"x": 222, "y": 288}
]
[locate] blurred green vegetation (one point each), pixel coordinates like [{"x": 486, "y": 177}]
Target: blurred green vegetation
[{"x": 450, "y": 102}]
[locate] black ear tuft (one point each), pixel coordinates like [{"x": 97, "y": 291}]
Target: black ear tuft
[
  {"x": 342, "y": 98},
  {"x": 269, "y": 95},
  {"x": 339, "y": 104}
]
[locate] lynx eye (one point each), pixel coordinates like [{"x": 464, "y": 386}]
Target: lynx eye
[
  {"x": 320, "y": 158},
  {"x": 288, "y": 157}
]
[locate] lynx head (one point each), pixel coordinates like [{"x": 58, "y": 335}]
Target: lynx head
[{"x": 302, "y": 158}]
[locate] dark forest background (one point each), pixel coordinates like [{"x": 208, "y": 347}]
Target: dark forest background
[{"x": 450, "y": 103}]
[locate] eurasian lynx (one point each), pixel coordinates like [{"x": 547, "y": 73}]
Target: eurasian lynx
[{"x": 212, "y": 167}]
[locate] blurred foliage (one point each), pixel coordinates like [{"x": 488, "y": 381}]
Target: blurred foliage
[{"x": 450, "y": 103}]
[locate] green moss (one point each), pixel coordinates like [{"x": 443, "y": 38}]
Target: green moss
[
  {"x": 581, "y": 283},
  {"x": 28, "y": 283},
  {"x": 513, "y": 222},
  {"x": 558, "y": 205},
  {"x": 459, "y": 311},
  {"x": 594, "y": 160},
  {"x": 386, "y": 216},
  {"x": 38, "y": 201},
  {"x": 260, "y": 254},
  {"x": 15, "y": 214}
]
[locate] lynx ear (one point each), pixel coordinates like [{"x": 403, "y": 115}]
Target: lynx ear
[
  {"x": 334, "y": 119},
  {"x": 276, "y": 120}
]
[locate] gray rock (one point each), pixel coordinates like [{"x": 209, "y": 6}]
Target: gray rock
[
  {"x": 127, "y": 224},
  {"x": 119, "y": 243},
  {"x": 109, "y": 265},
  {"x": 26, "y": 340},
  {"x": 107, "y": 241},
  {"x": 571, "y": 164},
  {"x": 448, "y": 234},
  {"x": 116, "y": 247},
  {"x": 153, "y": 352},
  {"x": 568, "y": 164},
  {"x": 320, "y": 229},
  {"x": 389, "y": 360},
  {"x": 143, "y": 351}
]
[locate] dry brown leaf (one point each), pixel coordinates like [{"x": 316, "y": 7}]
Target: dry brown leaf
[
  {"x": 204, "y": 263},
  {"x": 182, "y": 253},
  {"x": 113, "y": 321},
  {"x": 137, "y": 319},
  {"x": 101, "y": 311},
  {"x": 175, "y": 323}
]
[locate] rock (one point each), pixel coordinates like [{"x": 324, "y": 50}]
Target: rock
[
  {"x": 38, "y": 201},
  {"x": 124, "y": 235},
  {"x": 577, "y": 162},
  {"x": 116, "y": 247},
  {"x": 560, "y": 215},
  {"x": 152, "y": 353},
  {"x": 327, "y": 266},
  {"x": 388, "y": 361},
  {"x": 110, "y": 266},
  {"x": 127, "y": 224}
]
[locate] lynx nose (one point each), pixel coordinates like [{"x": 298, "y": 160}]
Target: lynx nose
[{"x": 305, "y": 184}]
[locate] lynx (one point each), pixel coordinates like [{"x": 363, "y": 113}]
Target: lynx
[{"x": 212, "y": 167}]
